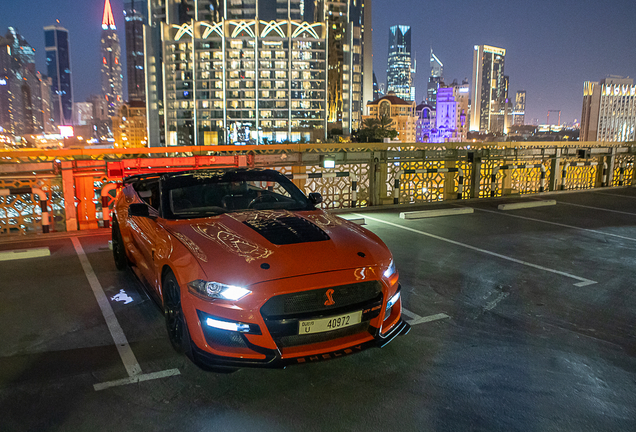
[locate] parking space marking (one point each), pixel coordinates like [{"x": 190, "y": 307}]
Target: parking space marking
[
  {"x": 583, "y": 281},
  {"x": 616, "y": 195},
  {"x": 121, "y": 342},
  {"x": 598, "y": 208},
  {"x": 17, "y": 254},
  {"x": 429, "y": 318},
  {"x": 125, "y": 352},
  {"x": 558, "y": 224},
  {"x": 136, "y": 379},
  {"x": 416, "y": 319},
  {"x": 410, "y": 314}
]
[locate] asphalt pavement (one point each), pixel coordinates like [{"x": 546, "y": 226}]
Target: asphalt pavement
[{"x": 523, "y": 320}]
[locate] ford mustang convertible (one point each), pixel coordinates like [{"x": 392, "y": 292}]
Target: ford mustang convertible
[{"x": 250, "y": 273}]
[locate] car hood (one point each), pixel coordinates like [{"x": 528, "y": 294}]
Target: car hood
[{"x": 255, "y": 246}]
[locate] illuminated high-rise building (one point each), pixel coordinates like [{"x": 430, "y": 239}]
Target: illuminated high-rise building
[
  {"x": 24, "y": 93},
  {"x": 348, "y": 53},
  {"x": 609, "y": 110},
  {"x": 245, "y": 71},
  {"x": 519, "y": 112},
  {"x": 489, "y": 90},
  {"x": 112, "y": 77},
  {"x": 399, "y": 79},
  {"x": 135, "y": 15},
  {"x": 58, "y": 64},
  {"x": 434, "y": 80}
]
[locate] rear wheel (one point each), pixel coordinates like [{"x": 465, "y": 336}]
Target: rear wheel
[{"x": 119, "y": 252}]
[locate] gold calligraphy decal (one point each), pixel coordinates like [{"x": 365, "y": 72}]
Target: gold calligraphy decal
[{"x": 232, "y": 241}]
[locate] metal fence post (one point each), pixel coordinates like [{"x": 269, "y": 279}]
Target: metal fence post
[
  {"x": 612, "y": 166},
  {"x": 475, "y": 159},
  {"x": 555, "y": 170}
]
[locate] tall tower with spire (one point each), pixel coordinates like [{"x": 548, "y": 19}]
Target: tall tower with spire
[{"x": 112, "y": 77}]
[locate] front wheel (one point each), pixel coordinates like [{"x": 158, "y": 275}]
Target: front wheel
[{"x": 175, "y": 320}]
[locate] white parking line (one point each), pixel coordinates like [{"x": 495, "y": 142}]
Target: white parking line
[
  {"x": 558, "y": 224},
  {"x": 429, "y": 318},
  {"x": 136, "y": 379},
  {"x": 583, "y": 281},
  {"x": 125, "y": 352},
  {"x": 11, "y": 255},
  {"x": 410, "y": 314},
  {"x": 416, "y": 319},
  {"x": 598, "y": 208},
  {"x": 616, "y": 195}
]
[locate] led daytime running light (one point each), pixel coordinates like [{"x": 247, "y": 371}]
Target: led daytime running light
[{"x": 229, "y": 326}]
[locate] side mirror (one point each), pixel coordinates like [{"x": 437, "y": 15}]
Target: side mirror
[
  {"x": 315, "y": 198},
  {"x": 138, "y": 209}
]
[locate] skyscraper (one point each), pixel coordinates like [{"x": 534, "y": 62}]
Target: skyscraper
[
  {"x": 609, "y": 110},
  {"x": 112, "y": 78},
  {"x": 398, "y": 72},
  {"x": 347, "y": 54},
  {"x": 246, "y": 71},
  {"x": 136, "y": 15},
  {"x": 519, "y": 113},
  {"x": 434, "y": 80},
  {"x": 24, "y": 93},
  {"x": 58, "y": 64},
  {"x": 489, "y": 89}
]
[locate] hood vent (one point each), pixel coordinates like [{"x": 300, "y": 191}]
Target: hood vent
[{"x": 287, "y": 230}]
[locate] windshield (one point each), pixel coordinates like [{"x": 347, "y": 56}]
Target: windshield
[{"x": 209, "y": 193}]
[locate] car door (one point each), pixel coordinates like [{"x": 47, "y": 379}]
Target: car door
[{"x": 146, "y": 231}]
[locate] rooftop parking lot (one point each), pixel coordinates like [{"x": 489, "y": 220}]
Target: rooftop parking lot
[{"x": 521, "y": 320}]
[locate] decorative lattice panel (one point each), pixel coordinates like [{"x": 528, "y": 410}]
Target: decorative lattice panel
[
  {"x": 627, "y": 162},
  {"x": 21, "y": 214},
  {"x": 336, "y": 191},
  {"x": 578, "y": 177},
  {"x": 422, "y": 187},
  {"x": 521, "y": 180}
]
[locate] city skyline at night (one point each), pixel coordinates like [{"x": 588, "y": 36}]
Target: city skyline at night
[{"x": 550, "y": 53}]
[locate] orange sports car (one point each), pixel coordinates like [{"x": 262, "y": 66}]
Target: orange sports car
[{"x": 250, "y": 273}]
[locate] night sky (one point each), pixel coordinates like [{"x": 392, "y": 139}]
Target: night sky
[{"x": 552, "y": 46}]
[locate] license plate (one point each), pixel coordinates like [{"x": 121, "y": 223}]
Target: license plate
[{"x": 328, "y": 324}]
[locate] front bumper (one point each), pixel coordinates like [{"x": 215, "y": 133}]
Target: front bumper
[{"x": 274, "y": 359}]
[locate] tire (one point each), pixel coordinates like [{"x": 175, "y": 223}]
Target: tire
[
  {"x": 175, "y": 320},
  {"x": 177, "y": 326},
  {"x": 119, "y": 252}
]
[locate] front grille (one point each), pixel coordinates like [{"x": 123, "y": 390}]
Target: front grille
[
  {"x": 282, "y": 313},
  {"x": 313, "y": 301},
  {"x": 287, "y": 230}
]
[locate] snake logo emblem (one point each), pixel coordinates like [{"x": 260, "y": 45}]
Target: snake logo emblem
[{"x": 329, "y": 295}]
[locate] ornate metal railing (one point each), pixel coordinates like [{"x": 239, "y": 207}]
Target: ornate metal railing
[{"x": 382, "y": 174}]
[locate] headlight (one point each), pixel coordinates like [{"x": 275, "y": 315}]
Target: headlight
[
  {"x": 390, "y": 271},
  {"x": 393, "y": 300},
  {"x": 218, "y": 290}
]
